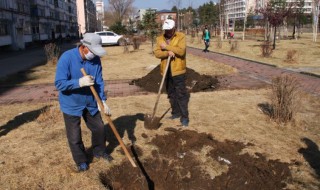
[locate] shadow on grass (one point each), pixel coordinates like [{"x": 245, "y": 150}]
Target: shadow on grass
[
  {"x": 19, "y": 120},
  {"x": 17, "y": 78},
  {"x": 311, "y": 154},
  {"x": 13, "y": 80},
  {"x": 123, "y": 124}
]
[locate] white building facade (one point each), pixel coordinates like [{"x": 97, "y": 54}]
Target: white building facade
[{"x": 236, "y": 9}]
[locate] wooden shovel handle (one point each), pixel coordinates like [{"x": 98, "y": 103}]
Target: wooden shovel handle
[
  {"x": 96, "y": 96},
  {"x": 160, "y": 88}
]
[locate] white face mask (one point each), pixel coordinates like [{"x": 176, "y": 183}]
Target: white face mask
[{"x": 89, "y": 56}]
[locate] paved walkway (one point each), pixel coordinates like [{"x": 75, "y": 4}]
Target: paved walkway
[
  {"x": 48, "y": 92},
  {"x": 251, "y": 74},
  {"x": 262, "y": 72}
]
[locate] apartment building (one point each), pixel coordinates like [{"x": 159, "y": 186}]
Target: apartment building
[
  {"x": 87, "y": 16},
  {"x": 100, "y": 16},
  {"x": 236, "y": 9},
  {"x": 25, "y": 21}
]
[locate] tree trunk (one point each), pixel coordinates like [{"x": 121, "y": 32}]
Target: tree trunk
[
  {"x": 244, "y": 23},
  {"x": 285, "y": 28},
  {"x": 299, "y": 27},
  {"x": 266, "y": 31},
  {"x": 221, "y": 27},
  {"x": 315, "y": 19},
  {"x": 274, "y": 37},
  {"x": 294, "y": 28}
]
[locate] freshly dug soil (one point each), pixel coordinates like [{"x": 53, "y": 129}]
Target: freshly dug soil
[
  {"x": 194, "y": 81},
  {"x": 177, "y": 164}
]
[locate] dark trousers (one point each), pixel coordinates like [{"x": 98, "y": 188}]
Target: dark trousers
[
  {"x": 206, "y": 43},
  {"x": 178, "y": 95},
  {"x": 95, "y": 124}
]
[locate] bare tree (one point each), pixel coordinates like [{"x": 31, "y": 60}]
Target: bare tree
[
  {"x": 190, "y": 3},
  {"x": 176, "y": 3},
  {"x": 221, "y": 16},
  {"x": 315, "y": 20},
  {"x": 275, "y": 12},
  {"x": 245, "y": 19},
  {"x": 120, "y": 8}
]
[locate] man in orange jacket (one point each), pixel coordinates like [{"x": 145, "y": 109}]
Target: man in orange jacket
[{"x": 173, "y": 44}]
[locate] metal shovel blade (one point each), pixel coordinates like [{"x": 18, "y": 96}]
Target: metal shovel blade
[{"x": 151, "y": 122}]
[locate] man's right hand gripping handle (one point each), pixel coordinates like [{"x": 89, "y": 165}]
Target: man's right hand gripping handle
[{"x": 86, "y": 81}]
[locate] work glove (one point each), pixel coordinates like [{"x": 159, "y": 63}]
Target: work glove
[
  {"x": 86, "y": 81},
  {"x": 106, "y": 108}
]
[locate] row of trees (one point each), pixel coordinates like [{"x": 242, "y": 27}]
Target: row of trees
[{"x": 275, "y": 14}]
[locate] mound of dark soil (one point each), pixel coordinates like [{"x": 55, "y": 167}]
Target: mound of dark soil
[
  {"x": 194, "y": 81},
  {"x": 176, "y": 166}
]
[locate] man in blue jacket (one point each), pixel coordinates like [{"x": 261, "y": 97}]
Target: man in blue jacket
[{"x": 76, "y": 100}]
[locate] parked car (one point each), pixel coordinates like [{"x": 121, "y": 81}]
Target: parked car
[{"x": 110, "y": 38}]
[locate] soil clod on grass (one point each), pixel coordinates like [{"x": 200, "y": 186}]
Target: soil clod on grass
[
  {"x": 191, "y": 160},
  {"x": 194, "y": 81}
]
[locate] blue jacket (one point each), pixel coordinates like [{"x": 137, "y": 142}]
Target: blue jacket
[{"x": 73, "y": 99}]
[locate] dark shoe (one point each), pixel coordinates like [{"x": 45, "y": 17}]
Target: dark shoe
[
  {"x": 174, "y": 116},
  {"x": 83, "y": 167},
  {"x": 185, "y": 122},
  {"x": 104, "y": 156}
]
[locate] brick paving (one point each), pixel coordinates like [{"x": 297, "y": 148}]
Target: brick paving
[
  {"x": 251, "y": 75},
  {"x": 262, "y": 72},
  {"x": 47, "y": 92}
]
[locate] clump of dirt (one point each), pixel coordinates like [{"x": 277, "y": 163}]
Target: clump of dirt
[
  {"x": 180, "y": 162},
  {"x": 194, "y": 81}
]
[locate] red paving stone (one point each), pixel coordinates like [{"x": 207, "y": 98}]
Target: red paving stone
[
  {"x": 251, "y": 75},
  {"x": 48, "y": 92}
]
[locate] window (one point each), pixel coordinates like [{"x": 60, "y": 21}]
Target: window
[
  {"x": 102, "y": 34},
  {"x": 51, "y": 14},
  {"x": 3, "y": 29},
  {"x": 20, "y": 7},
  {"x": 41, "y": 12},
  {"x": 26, "y": 28},
  {"x": 35, "y": 29},
  {"x": 110, "y": 34}
]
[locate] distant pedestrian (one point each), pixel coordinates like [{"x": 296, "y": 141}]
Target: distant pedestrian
[
  {"x": 206, "y": 38},
  {"x": 76, "y": 99},
  {"x": 173, "y": 44}
]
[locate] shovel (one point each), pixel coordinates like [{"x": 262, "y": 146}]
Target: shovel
[
  {"x": 96, "y": 96},
  {"x": 150, "y": 121}
]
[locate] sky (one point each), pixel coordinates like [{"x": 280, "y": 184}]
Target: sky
[{"x": 165, "y": 4}]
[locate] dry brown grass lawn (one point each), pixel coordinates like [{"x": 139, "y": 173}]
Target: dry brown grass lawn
[
  {"x": 117, "y": 65},
  {"x": 308, "y": 52},
  {"x": 35, "y": 154}
]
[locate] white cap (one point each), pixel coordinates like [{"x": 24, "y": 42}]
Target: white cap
[
  {"x": 94, "y": 43},
  {"x": 168, "y": 24}
]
